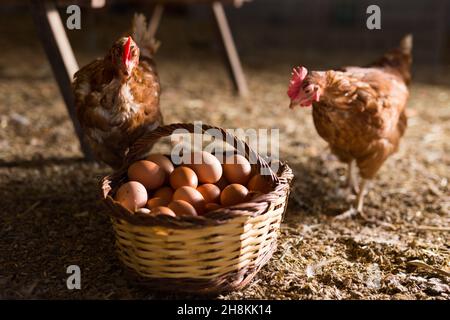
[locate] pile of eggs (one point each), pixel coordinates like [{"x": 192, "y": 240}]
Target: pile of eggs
[{"x": 156, "y": 186}]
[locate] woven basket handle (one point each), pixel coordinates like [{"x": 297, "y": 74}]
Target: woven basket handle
[{"x": 139, "y": 147}]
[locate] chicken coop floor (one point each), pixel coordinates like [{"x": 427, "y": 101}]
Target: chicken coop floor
[{"x": 50, "y": 216}]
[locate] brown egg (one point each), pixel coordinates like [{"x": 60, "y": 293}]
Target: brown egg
[
  {"x": 210, "y": 192},
  {"x": 182, "y": 208},
  {"x": 192, "y": 196},
  {"x": 222, "y": 183},
  {"x": 163, "y": 210},
  {"x": 183, "y": 177},
  {"x": 142, "y": 211},
  {"x": 156, "y": 202},
  {"x": 211, "y": 207},
  {"x": 259, "y": 183},
  {"x": 162, "y": 161},
  {"x": 166, "y": 193},
  {"x": 237, "y": 169},
  {"x": 206, "y": 166},
  {"x": 148, "y": 173},
  {"x": 233, "y": 194},
  {"x": 132, "y": 195},
  {"x": 254, "y": 172}
]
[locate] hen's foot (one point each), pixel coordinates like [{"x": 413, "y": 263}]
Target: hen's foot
[
  {"x": 359, "y": 205},
  {"x": 350, "y": 213}
]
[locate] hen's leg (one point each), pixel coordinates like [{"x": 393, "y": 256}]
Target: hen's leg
[
  {"x": 360, "y": 197},
  {"x": 351, "y": 178},
  {"x": 359, "y": 204}
]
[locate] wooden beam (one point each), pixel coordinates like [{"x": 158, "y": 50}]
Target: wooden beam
[
  {"x": 233, "y": 60},
  {"x": 62, "y": 42},
  {"x": 54, "y": 39},
  {"x": 98, "y": 3},
  {"x": 82, "y": 3}
]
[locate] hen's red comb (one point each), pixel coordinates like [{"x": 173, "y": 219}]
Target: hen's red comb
[
  {"x": 298, "y": 75},
  {"x": 126, "y": 51}
]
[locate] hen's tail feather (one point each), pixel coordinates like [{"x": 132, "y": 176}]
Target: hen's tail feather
[
  {"x": 399, "y": 58},
  {"x": 406, "y": 44},
  {"x": 142, "y": 36}
]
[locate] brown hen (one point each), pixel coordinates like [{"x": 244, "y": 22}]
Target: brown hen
[
  {"x": 117, "y": 97},
  {"x": 359, "y": 111}
]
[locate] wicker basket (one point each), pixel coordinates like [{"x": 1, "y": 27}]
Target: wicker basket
[{"x": 217, "y": 252}]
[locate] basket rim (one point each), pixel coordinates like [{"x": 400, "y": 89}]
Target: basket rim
[
  {"x": 255, "y": 207},
  {"x": 140, "y": 149}
]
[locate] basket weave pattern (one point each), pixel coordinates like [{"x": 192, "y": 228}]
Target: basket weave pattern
[{"x": 216, "y": 252}]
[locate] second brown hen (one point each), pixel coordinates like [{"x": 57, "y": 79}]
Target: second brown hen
[{"x": 359, "y": 111}]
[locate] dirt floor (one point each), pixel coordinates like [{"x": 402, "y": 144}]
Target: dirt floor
[{"x": 50, "y": 217}]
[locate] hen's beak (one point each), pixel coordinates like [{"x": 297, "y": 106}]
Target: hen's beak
[{"x": 127, "y": 70}]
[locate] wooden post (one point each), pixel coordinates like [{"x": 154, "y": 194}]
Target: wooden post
[
  {"x": 53, "y": 36},
  {"x": 233, "y": 61},
  {"x": 98, "y": 3}
]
